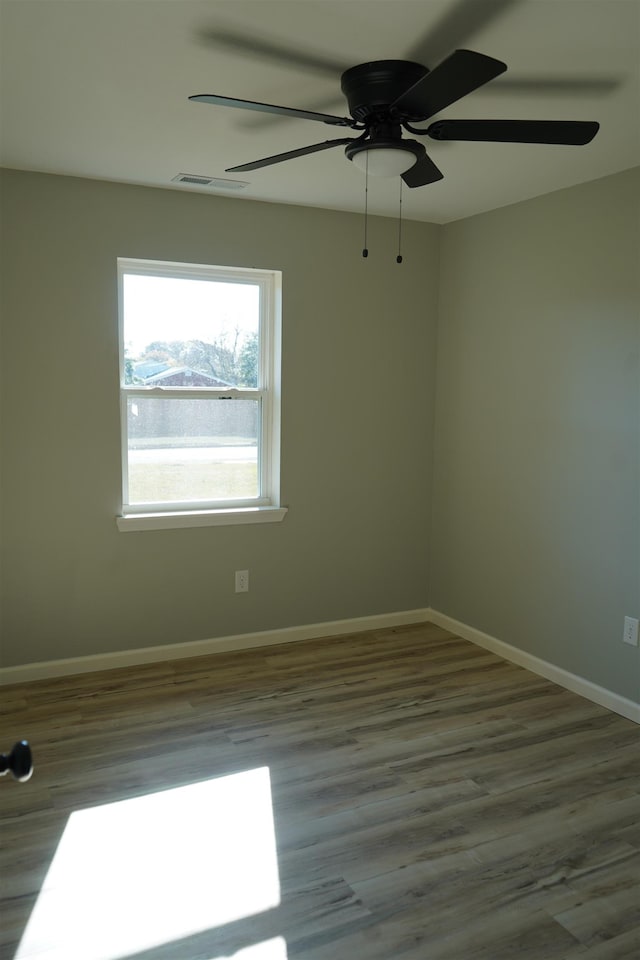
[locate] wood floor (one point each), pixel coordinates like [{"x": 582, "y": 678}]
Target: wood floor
[{"x": 430, "y": 802}]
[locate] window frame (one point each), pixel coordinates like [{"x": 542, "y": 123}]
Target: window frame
[{"x": 266, "y": 506}]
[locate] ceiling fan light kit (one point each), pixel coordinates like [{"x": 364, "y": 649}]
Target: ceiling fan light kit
[{"x": 384, "y": 158}]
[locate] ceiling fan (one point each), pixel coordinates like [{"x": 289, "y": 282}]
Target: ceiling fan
[{"x": 387, "y": 97}]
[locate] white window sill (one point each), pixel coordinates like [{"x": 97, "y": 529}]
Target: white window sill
[{"x": 199, "y": 518}]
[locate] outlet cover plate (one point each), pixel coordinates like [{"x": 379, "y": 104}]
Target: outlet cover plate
[
  {"x": 630, "y": 634},
  {"x": 242, "y": 581}
]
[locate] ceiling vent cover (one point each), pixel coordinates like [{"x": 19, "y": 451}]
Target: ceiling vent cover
[{"x": 217, "y": 183}]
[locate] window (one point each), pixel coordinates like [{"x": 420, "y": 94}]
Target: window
[{"x": 199, "y": 394}]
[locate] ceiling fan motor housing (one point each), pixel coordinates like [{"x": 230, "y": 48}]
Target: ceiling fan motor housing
[{"x": 371, "y": 88}]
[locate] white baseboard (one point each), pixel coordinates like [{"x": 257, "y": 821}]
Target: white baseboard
[
  {"x": 600, "y": 695},
  {"x": 47, "y": 669}
]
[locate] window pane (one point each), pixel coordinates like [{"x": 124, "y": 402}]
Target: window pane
[
  {"x": 184, "y": 450},
  {"x": 186, "y": 332}
]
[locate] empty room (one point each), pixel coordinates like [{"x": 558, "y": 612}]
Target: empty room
[{"x": 319, "y": 479}]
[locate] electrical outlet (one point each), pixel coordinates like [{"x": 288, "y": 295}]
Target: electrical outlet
[
  {"x": 242, "y": 581},
  {"x": 630, "y": 634}
]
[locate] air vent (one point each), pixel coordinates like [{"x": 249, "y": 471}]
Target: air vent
[{"x": 217, "y": 183}]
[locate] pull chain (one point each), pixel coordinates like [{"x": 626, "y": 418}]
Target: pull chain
[
  {"x": 365, "y": 252},
  {"x": 399, "y": 257}
]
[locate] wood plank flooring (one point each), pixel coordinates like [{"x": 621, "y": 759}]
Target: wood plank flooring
[{"x": 430, "y": 802}]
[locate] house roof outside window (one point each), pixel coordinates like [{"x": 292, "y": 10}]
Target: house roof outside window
[{"x": 151, "y": 372}]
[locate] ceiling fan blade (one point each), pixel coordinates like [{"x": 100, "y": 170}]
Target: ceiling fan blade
[
  {"x": 268, "y": 120},
  {"x": 456, "y": 27},
  {"x": 422, "y": 172},
  {"x": 290, "y": 155},
  {"x": 552, "y": 86},
  {"x": 569, "y": 132},
  {"x": 271, "y": 108},
  {"x": 274, "y": 51},
  {"x": 461, "y": 73}
]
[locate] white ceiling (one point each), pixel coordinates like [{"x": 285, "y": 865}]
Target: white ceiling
[{"x": 98, "y": 88}]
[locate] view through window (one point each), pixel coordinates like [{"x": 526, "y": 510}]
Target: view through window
[{"x": 199, "y": 369}]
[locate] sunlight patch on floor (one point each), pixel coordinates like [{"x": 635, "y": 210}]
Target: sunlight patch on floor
[
  {"x": 269, "y": 950},
  {"x": 134, "y": 874}
]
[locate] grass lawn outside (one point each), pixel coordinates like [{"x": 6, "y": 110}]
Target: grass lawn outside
[{"x": 211, "y": 480}]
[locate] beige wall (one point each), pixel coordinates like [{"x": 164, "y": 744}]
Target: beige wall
[
  {"x": 358, "y": 380},
  {"x": 536, "y": 527}
]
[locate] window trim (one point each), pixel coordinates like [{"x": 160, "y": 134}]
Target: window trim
[
  {"x": 199, "y": 518},
  {"x": 264, "y": 508}
]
